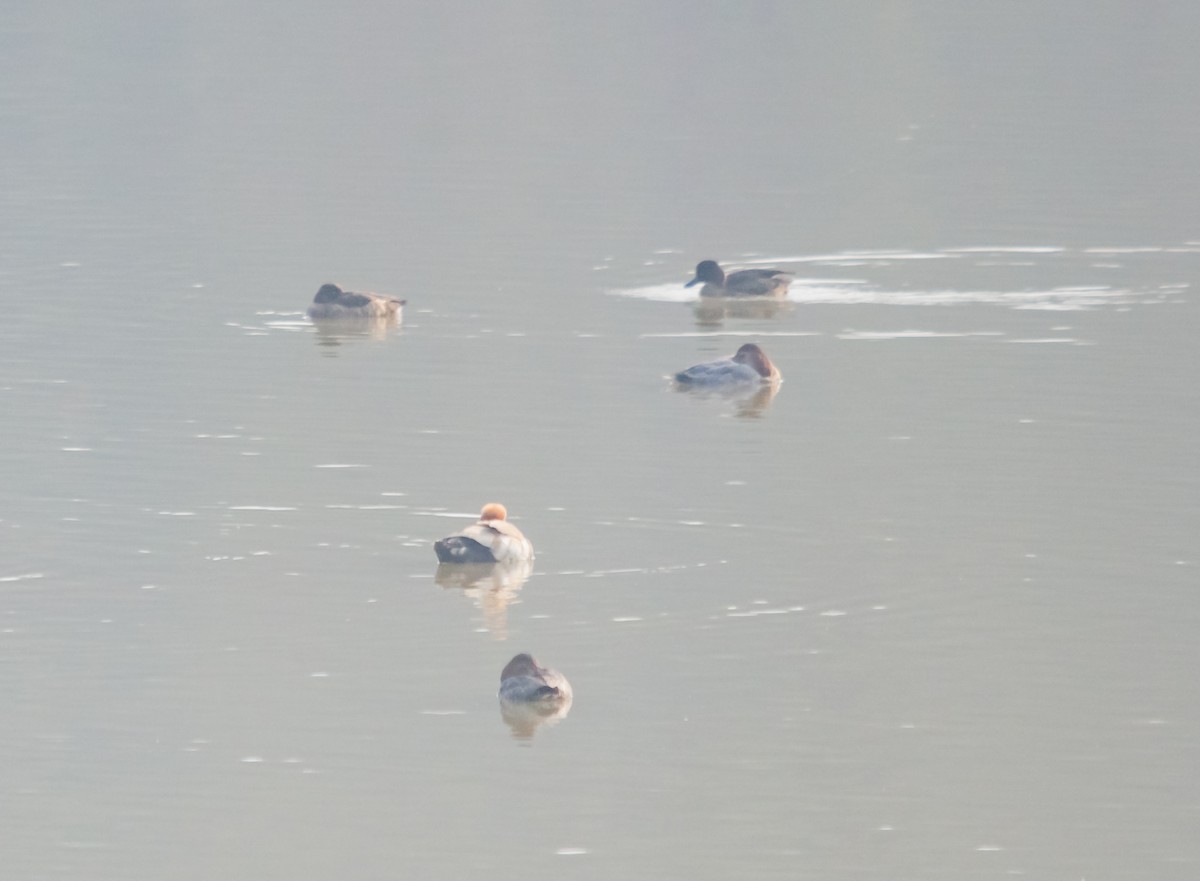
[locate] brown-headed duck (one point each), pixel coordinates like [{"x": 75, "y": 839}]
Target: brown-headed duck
[
  {"x": 749, "y": 365},
  {"x": 523, "y": 681},
  {"x": 743, "y": 283},
  {"x": 332, "y": 302},
  {"x": 491, "y": 540}
]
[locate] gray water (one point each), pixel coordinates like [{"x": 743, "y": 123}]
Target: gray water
[{"x": 928, "y": 613}]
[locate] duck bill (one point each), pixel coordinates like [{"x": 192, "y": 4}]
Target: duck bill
[{"x": 694, "y": 281}]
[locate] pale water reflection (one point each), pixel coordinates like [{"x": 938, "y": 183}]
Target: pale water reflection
[
  {"x": 712, "y": 311},
  {"x": 334, "y": 332},
  {"x": 492, "y": 586},
  {"x": 747, "y": 402},
  {"x": 524, "y": 719},
  {"x": 327, "y": 333}
]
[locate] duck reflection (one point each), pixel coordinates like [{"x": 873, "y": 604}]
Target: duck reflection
[
  {"x": 525, "y": 719},
  {"x": 491, "y": 585},
  {"x": 747, "y": 403},
  {"x": 532, "y": 696},
  {"x": 333, "y": 332},
  {"x": 755, "y": 405},
  {"x": 712, "y": 311}
]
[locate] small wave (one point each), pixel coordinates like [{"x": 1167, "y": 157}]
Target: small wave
[
  {"x": 860, "y": 291},
  {"x": 721, "y": 333},
  {"x": 366, "y": 507},
  {"x": 456, "y": 514},
  {"x": 677, "y": 293},
  {"x": 1004, "y": 249},
  {"x": 869, "y": 256},
  {"x": 1064, "y": 340},
  {"x": 911, "y": 334},
  {"x": 1051, "y": 299}
]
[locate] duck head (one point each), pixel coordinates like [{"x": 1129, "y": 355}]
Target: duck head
[
  {"x": 493, "y": 511},
  {"x": 754, "y": 357},
  {"x": 709, "y": 272},
  {"x": 328, "y": 293},
  {"x": 521, "y": 665}
]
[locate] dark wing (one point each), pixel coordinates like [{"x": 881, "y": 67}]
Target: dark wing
[
  {"x": 748, "y": 274},
  {"x": 461, "y": 549},
  {"x": 715, "y": 373},
  {"x": 757, "y": 281},
  {"x": 352, "y": 300}
]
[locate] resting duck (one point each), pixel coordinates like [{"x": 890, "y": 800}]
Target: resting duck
[
  {"x": 492, "y": 540},
  {"x": 523, "y": 681},
  {"x": 748, "y": 365},
  {"x": 332, "y": 302},
  {"x": 743, "y": 283}
]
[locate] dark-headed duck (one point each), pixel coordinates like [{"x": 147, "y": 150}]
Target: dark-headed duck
[
  {"x": 491, "y": 540},
  {"x": 523, "y": 681},
  {"x": 749, "y": 365},
  {"x": 743, "y": 283},
  {"x": 332, "y": 302}
]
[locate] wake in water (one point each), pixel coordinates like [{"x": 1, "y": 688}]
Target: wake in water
[{"x": 854, "y": 291}]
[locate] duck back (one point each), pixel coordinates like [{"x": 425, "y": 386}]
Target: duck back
[
  {"x": 462, "y": 549},
  {"x": 718, "y": 373}
]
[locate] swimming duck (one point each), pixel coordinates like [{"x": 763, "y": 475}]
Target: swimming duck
[
  {"x": 492, "y": 540},
  {"x": 332, "y": 302},
  {"x": 743, "y": 283},
  {"x": 523, "y": 681},
  {"x": 749, "y": 364}
]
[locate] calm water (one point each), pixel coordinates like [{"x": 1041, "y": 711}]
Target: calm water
[{"x": 929, "y": 613}]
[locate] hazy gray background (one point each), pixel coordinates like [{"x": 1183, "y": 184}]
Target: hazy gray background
[{"x": 930, "y": 613}]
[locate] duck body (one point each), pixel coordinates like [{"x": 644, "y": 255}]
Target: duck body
[
  {"x": 743, "y": 283},
  {"x": 490, "y": 540},
  {"x": 333, "y": 302},
  {"x": 748, "y": 366},
  {"x": 523, "y": 681}
]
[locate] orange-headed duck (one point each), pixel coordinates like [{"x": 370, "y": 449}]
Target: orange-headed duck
[
  {"x": 332, "y": 302},
  {"x": 491, "y": 540},
  {"x": 748, "y": 365},
  {"x": 523, "y": 681},
  {"x": 743, "y": 283}
]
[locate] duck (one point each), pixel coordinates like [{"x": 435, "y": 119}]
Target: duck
[
  {"x": 748, "y": 365},
  {"x": 523, "y": 681},
  {"x": 743, "y": 283},
  {"x": 333, "y": 302},
  {"x": 490, "y": 540}
]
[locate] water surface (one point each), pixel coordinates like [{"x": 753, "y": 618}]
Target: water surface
[{"x": 928, "y": 612}]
